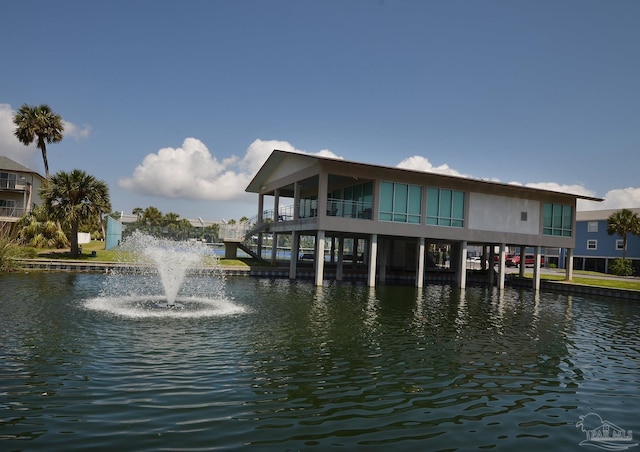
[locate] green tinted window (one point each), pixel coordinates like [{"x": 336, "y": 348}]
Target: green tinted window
[
  {"x": 557, "y": 220},
  {"x": 400, "y": 202},
  {"x": 445, "y": 207}
]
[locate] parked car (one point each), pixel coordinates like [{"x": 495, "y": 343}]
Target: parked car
[
  {"x": 529, "y": 260},
  {"x": 507, "y": 257}
]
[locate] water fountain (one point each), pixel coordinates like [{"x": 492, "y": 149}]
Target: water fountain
[{"x": 160, "y": 278}]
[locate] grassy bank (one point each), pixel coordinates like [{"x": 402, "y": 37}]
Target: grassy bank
[
  {"x": 594, "y": 279},
  {"x": 95, "y": 252}
]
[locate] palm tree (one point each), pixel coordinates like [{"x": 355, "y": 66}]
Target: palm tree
[
  {"x": 41, "y": 124},
  {"x": 152, "y": 216},
  {"x": 37, "y": 230},
  {"x": 138, "y": 213},
  {"x": 170, "y": 218},
  {"x": 74, "y": 197},
  {"x": 623, "y": 222}
]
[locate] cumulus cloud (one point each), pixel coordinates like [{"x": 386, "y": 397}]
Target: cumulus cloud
[
  {"x": 9, "y": 145},
  {"x": 620, "y": 198},
  {"x": 192, "y": 172},
  {"x": 614, "y": 199},
  {"x": 77, "y": 132},
  {"x": 563, "y": 188},
  {"x": 419, "y": 163},
  {"x": 29, "y": 156}
]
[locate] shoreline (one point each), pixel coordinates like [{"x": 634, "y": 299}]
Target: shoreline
[{"x": 303, "y": 274}]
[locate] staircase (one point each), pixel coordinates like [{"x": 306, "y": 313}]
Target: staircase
[{"x": 239, "y": 234}]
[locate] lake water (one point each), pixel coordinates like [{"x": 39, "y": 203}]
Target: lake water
[{"x": 295, "y": 367}]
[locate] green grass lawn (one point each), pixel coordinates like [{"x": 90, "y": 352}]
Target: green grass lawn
[
  {"x": 116, "y": 255},
  {"x": 583, "y": 278}
]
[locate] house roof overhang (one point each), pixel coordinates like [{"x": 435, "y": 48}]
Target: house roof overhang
[{"x": 277, "y": 158}]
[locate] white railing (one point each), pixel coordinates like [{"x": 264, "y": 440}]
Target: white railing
[
  {"x": 335, "y": 208},
  {"x": 237, "y": 231}
]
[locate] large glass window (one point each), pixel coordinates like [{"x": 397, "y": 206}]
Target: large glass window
[
  {"x": 8, "y": 180},
  {"x": 445, "y": 207},
  {"x": 355, "y": 201},
  {"x": 7, "y": 208},
  {"x": 308, "y": 207},
  {"x": 400, "y": 202},
  {"x": 558, "y": 220}
]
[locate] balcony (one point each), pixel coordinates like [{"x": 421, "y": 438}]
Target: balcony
[
  {"x": 349, "y": 209},
  {"x": 12, "y": 214}
]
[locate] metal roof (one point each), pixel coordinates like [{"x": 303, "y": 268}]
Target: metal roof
[{"x": 277, "y": 156}]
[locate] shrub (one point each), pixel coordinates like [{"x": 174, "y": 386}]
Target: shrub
[
  {"x": 621, "y": 267},
  {"x": 9, "y": 251}
]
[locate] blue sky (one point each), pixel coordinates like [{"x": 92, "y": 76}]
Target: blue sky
[{"x": 176, "y": 104}]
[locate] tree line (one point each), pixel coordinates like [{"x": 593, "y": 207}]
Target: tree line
[
  {"x": 153, "y": 222},
  {"x": 76, "y": 201}
]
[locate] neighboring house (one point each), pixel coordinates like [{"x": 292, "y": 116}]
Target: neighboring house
[
  {"x": 394, "y": 214},
  {"x": 19, "y": 190},
  {"x": 595, "y": 248}
]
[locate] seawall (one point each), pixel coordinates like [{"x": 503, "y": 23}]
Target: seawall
[{"x": 283, "y": 272}]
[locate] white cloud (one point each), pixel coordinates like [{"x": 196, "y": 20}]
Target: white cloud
[
  {"x": 77, "y": 132},
  {"x": 614, "y": 199},
  {"x": 419, "y": 163},
  {"x": 29, "y": 156},
  {"x": 10, "y": 146},
  {"x": 620, "y": 198},
  {"x": 192, "y": 172},
  {"x": 562, "y": 188}
]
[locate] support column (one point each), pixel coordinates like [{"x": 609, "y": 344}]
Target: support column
[
  {"x": 420, "y": 269},
  {"x": 296, "y": 200},
  {"x": 523, "y": 263},
  {"x": 332, "y": 258},
  {"x": 569, "y": 265},
  {"x": 373, "y": 253},
  {"x": 354, "y": 261},
  {"x": 276, "y": 218},
  {"x": 491, "y": 265},
  {"x": 462, "y": 265},
  {"x": 319, "y": 261},
  {"x": 259, "y": 250},
  {"x": 503, "y": 267},
  {"x": 384, "y": 258},
  {"x": 293, "y": 263},
  {"x": 339, "y": 265},
  {"x": 260, "y": 208},
  {"x": 260, "y": 221},
  {"x": 274, "y": 248},
  {"x": 276, "y": 206},
  {"x": 536, "y": 268},
  {"x": 323, "y": 184}
]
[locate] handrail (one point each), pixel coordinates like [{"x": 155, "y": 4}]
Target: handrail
[{"x": 243, "y": 230}]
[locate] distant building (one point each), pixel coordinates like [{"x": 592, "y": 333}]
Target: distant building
[
  {"x": 397, "y": 213},
  {"x": 19, "y": 190},
  {"x": 595, "y": 248}
]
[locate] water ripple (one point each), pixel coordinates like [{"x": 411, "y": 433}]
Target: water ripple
[{"x": 279, "y": 365}]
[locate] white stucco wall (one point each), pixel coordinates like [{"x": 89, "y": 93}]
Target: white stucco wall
[{"x": 503, "y": 214}]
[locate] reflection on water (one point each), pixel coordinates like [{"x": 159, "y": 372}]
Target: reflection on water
[{"x": 302, "y": 368}]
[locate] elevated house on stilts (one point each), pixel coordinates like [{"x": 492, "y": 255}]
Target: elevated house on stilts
[{"x": 385, "y": 220}]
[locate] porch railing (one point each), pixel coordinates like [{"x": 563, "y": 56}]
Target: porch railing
[
  {"x": 12, "y": 212},
  {"x": 335, "y": 207}
]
